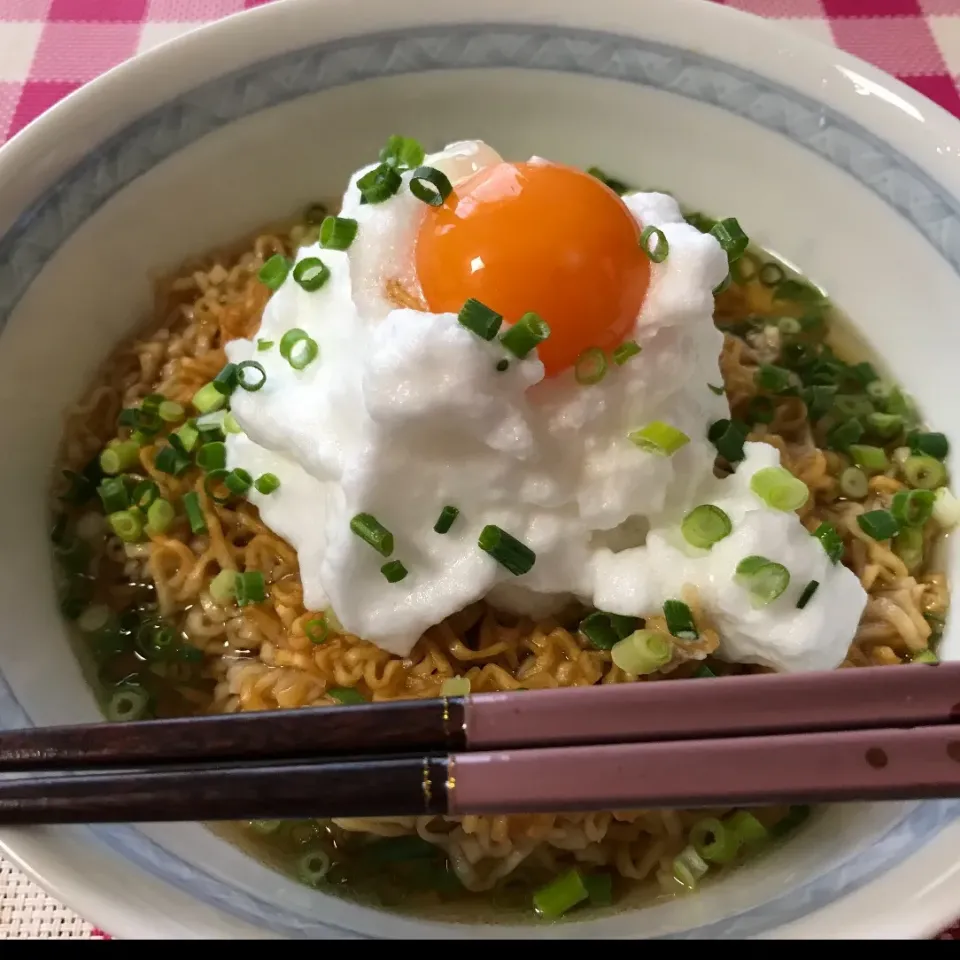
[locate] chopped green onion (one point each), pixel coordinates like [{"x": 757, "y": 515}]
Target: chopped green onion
[
  {"x": 925, "y": 656},
  {"x": 230, "y": 424},
  {"x": 455, "y": 687},
  {"x": 337, "y": 233},
  {"x": 223, "y": 587},
  {"x": 298, "y": 348},
  {"x": 194, "y": 512},
  {"x": 317, "y": 631},
  {"x": 172, "y": 461},
  {"x": 369, "y": 529},
  {"x": 274, "y": 271},
  {"x": 719, "y": 391},
  {"x": 311, "y": 274},
  {"x": 854, "y": 483},
  {"x": 379, "y": 184},
  {"x": 789, "y": 326},
  {"x": 212, "y": 456},
  {"x": 714, "y": 841},
  {"x": 642, "y": 653},
  {"x": 393, "y": 571},
  {"x": 626, "y": 350},
  {"x": 913, "y": 508},
  {"x": 763, "y": 579},
  {"x": 313, "y": 867},
  {"x": 250, "y": 588},
  {"x": 617, "y": 186},
  {"x": 654, "y": 243},
  {"x": 267, "y": 483},
  {"x": 806, "y": 595},
  {"x": 831, "y": 541},
  {"x": 560, "y": 895},
  {"x": 170, "y": 412},
  {"x": 238, "y": 481},
  {"x": 879, "y": 390},
  {"x": 509, "y": 552},
  {"x": 704, "y": 673},
  {"x": 946, "y": 509},
  {"x": 479, "y": 319},
  {"x": 210, "y": 426},
  {"x": 898, "y": 402},
  {"x": 705, "y": 525},
  {"x": 113, "y": 495},
  {"x": 731, "y": 238},
  {"x": 819, "y": 399},
  {"x": 430, "y": 185},
  {"x": 119, "y": 456},
  {"x": 844, "y": 434},
  {"x": 884, "y": 425},
  {"x": 659, "y": 438},
  {"x": 402, "y": 152},
  {"x": 605, "y": 630},
  {"x": 144, "y": 493},
  {"x": 746, "y": 827},
  {"x": 127, "y": 703},
  {"x": 259, "y": 376},
  {"x": 924, "y": 473},
  {"x": 160, "y": 515},
  {"x": 779, "y": 489},
  {"x": 688, "y": 868},
  {"x": 908, "y": 546},
  {"x": 186, "y": 437},
  {"x": 797, "y": 291},
  {"x": 208, "y": 398},
  {"x": 772, "y": 378},
  {"x": 447, "y": 518},
  {"x": 210, "y": 482},
  {"x": 591, "y": 367},
  {"x": 525, "y": 334},
  {"x": 126, "y": 525},
  {"x": 771, "y": 274},
  {"x": 599, "y": 888},
  {"x": 879, "y": 524},
  {"x": 97, "y": 619},
  {"x": 729, "y": 436},
  {"x": 854, "y": 406},
  {"x": 264, "y": 345},
  {"x": 346, "y": 696},
  {"x": 680, "y": 621},
  {"x": 227, "y": 380},
  {"x": 932, "y": 444}
]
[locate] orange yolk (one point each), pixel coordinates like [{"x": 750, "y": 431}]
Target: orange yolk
[{"x": 541, "y": 237}]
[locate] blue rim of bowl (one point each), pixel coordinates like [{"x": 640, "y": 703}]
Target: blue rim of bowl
[{"x": 132, "y": 152}]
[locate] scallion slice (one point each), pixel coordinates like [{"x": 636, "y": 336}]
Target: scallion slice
[
  {"x": 884, "y": 425},
  {"x": 446, "y": 520},
  {"x": 772, "y": 378},
  {"x": 871, "y": 459},
  {"x": 930, "y": 444},
  {"x": 925, "y": 656},
  {"x": 779, "y": 489},
  {"x": 705, "y": 525},
  {"x": 878, "y": 524},
  {"x": 913, "y": 508},
  {"x": 479, "y": 319},
  {"x": 187, "y": 437},
  {"x": 908, "y": 546},
  {"x": 624, "y": 352},
  {"x": 771, "y": 274},
  {"x": 654, "y": 243},
  {"x": 714, "y": 841},
  {"x": 509, "y": 552},
  {"x": 746, "y": 827},
  {"x": 807, "y": 593},
  {"x": 605, "y": 630},
  {"x": 119, "y": 456},
  {"x": 210, "y": 483},
  {"x": 729, "y": 234},
  {"x": 689, "y": 867},
  {"x": 591, "y": 367},
  {"x": 404, "y": 153},
  {"x": 455, "y": 687},
  {"x": 267, "y": 483},
  {"x": 337, "y": 233},
  {"x": 160, "y": 515},
  {"x": 311, "y": 273},
  {"x": 642, "y": 653},
  {"x": 369, "y": 529},
  {"x": 659, "y": 438},
  {"x": 430, "y": 185},
  {"x": 264, "y": 345},
  {"x": 854, "y": 483},
  {"x": 212, "y": 456},
  {"x": 298, "y": 348},
  {"x": 379, "y": 184},
  {"x": 208, "y": 398},
  {"x": 729, "y": 436},
  {"x": 830, "y": 540},
  {"x": 251, "y": 376},
  {"x": 680, "y": 621},
  {"x": 617, "y": 186},
  {"x": 560, "y": 895},
  {"x": 172, "y": 461},
  {"x": 170, "y": 412},
  {"x": 274, "y": 272},
  {"x": 924, "y": 472},
  {"x": 144, "y": 493},
  {"x": 393, "y": 571},
  {"x": 238, "y": 481},
  {"x": 223, "y": 587},
  {"x": 127, "y": 702},
  {"x": 763, "y": 579},
  {"x": 127, "y": 525},
  {"x": 844, "y": 434},
  {"x": 525, "y": 334},
  {"x": 250, "y": 588},
  {"x": 346, "y": 696},
  {"x": 113, "y": 495},
  {"x": 194, "y": 512},
  {"x": 317, "y": 631}
]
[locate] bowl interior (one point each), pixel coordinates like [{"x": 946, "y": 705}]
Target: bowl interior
[{"x": 76, "y": 278}]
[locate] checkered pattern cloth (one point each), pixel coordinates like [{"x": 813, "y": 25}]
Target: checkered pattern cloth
[{"x": 48, "y": 48}]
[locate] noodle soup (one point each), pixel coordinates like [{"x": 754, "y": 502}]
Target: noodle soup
[{"x": 145, "y": 550}]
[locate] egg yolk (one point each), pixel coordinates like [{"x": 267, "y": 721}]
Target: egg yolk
[{"x": 539, "y": 237}]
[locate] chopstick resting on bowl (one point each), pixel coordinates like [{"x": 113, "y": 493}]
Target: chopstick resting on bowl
[{"x": 839, "y": 736}]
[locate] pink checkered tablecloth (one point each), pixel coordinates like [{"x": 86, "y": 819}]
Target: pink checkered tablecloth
[{"x": 48, "y": 48}]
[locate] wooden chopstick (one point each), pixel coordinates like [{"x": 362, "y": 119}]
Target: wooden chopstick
[
  {"x": 880, "y": 764},
  {"x": 621, "y": 713}
]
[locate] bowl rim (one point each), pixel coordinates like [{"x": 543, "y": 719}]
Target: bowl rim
[{"x": 216, "y": 35}]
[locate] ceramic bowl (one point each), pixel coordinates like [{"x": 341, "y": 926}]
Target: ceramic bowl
[{"x": 836, "y": 167}]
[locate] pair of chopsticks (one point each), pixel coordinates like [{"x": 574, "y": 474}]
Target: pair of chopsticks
[{"x": 881, "y": 734}]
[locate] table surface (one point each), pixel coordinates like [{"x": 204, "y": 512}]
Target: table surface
[{"x": 50, "y": 47}]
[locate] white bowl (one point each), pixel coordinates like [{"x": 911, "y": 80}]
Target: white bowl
[{"x": 837, "y": 167}]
